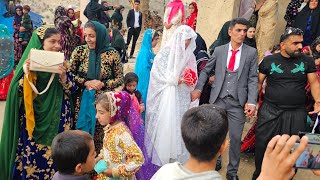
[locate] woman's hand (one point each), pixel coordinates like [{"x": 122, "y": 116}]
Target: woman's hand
[
  {"x": 167, "y": 26},
  {"x": 317, "y": 61},
  {"x": 62, "y": 70},
  {"x": 27, "y": 64},
  {"x": 94, "y": 84},
  {"x": 180, "y": 81}
]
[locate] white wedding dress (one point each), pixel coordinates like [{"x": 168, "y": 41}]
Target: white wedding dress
[{"x": 167, "y": 101}]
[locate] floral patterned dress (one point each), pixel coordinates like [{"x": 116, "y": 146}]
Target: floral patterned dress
[
  {"x": 33, "y": 161},
  {"x": 111, "y": 76}
]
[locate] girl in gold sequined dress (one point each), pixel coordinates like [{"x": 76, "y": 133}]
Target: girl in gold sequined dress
[{"x": 120, "y": 151}]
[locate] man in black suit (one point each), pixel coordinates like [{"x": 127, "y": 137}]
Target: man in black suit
[{"x": 134, "y": 23}]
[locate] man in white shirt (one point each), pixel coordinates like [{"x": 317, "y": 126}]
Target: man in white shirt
[
  {"x": 235, "y": 87},
  {"x": 134, "y": 23}
]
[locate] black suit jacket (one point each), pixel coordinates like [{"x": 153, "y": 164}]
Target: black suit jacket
[{"x": 130, "y": 18}]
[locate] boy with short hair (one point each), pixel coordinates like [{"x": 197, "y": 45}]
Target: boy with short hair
[
  {"x": 74, "y": 154},
  {"x": 204, "y": 130},
  {"x": 26, "y": 24}
]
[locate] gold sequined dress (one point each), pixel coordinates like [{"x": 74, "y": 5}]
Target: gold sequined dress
[{"x": 121, "y": 151}]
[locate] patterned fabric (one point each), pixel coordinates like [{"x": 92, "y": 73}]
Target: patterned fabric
[
  {"x": 33, "y": 159},
  {"x": 18, "y": 47},
  {"x": 292, "y": 11},
  {"x": 6, "y": 51},
  {"x": 69, "y": 40},
  {"x": 120, "y": 151},
  {"x": 163, "y": 119},
  {"x": 111, "y": 76}
]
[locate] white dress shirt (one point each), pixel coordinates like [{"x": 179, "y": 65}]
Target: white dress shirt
[
  {"x": 136, "y": 19},
  {"x": 238, "y": 55}
]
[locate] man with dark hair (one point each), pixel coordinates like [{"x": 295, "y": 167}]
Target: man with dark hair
[
  {"x": 134, "y": 24},
  {"x": 204, "y": 130},
  {"x": 235, "y": 87},
  {"x": 73, "y": 154},
  {"x": 283, "y": 109}
]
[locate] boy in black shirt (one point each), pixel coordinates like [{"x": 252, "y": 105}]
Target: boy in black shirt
[{"x": 283, "y": 109}]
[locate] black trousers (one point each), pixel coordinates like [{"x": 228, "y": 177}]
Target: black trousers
[
  {"x": 273, "y": 121},
  {"x": 135, "y": 32}
]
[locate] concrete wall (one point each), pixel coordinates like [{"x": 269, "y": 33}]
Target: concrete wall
[{"x": 213, "y": 14}]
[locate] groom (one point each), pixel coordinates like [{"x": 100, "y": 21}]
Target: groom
[{"x": 235, "y": 87}]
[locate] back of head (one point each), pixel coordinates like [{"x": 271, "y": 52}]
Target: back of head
[
  {"x": 70, "y": 148},
  {"x": 204, "y": 130}
]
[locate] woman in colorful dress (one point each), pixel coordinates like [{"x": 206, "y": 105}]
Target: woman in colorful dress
[
  {"x": 69, "y": 38},
  {"x": 174, "y": 16},
  {"x": 144, "y": 62},
  {"x": 7, "y": 60},
  {"x": 169, "y": 95},
  {"x": 18, "y": 47},
  {"x": 192, "y": 19},
  {"x": 95, "y": 66},
  {"x": 32, "y": 121}
]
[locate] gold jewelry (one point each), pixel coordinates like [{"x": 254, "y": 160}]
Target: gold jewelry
[{"x": 41, "y": 30}]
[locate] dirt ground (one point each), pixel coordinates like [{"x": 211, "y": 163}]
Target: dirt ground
[{"x": 246, "y": 168}]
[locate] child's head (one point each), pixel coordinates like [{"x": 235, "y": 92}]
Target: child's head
[
  {"x": 103, "y": 109},
  {"x": 73, "y": 152},
  {"x": 26, "y": 9},
  {"x": 130, "y": 82},
  {"x": 204, "y": 130}
]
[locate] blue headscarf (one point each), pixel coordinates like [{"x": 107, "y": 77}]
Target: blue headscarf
[
  {"x": 144, "y": 64},
  {"x": 6, "y": 51}
]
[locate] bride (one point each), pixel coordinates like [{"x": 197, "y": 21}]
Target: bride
[{"x": 169, "y": 95}]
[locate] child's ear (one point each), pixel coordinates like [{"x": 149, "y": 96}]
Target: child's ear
[
  {"x": 224, "y": 146},
  {"x": 78, "y": 169}
]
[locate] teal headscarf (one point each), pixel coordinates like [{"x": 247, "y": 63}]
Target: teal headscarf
[
  {"x": 102, "y": 45},
  {"x": 6, "y": 51}
]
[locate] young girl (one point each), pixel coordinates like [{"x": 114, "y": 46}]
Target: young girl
[
  {"x": 130, "y": 86},
  {"x": 123, "y": 144}
]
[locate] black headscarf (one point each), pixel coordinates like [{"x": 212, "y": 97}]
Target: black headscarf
[
  {"x": 92, "y": 10},
  {"x": 59, "y": 12},
  {"x": 301, "y": 20},
  {"x": 117, "y": 39},
  {"x": 201, "y": 45},
  {"x": 250, "y": 42},
  {"x": 223, "y": 37}
]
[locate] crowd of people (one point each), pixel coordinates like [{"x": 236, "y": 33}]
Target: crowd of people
[{"x": 172, "y": 116}]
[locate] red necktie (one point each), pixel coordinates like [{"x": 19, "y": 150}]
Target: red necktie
[{"x": 232, "y": 60}]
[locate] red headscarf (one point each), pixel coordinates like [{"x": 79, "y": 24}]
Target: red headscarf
[
  {"x": 191, "y": 21},
  {"x": 176, "y": 5}
]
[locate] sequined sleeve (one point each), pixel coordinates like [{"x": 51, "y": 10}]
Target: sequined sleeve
[
  {"x": 69, "y": 86},
  {"x": 134, "y": 156},
  {"x": 117, "y": 72},
  {"x": 75, "y": 61}
]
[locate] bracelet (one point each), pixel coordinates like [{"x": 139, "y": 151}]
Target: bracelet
[{"x": 115, "y": 173}]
